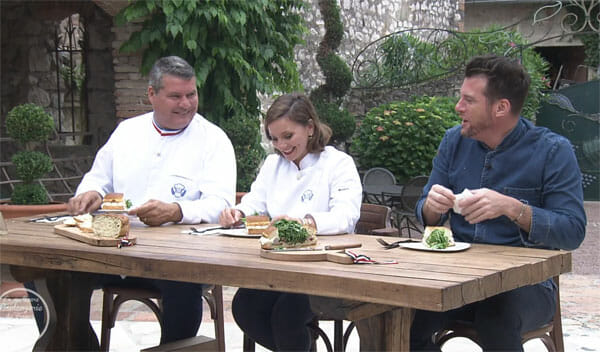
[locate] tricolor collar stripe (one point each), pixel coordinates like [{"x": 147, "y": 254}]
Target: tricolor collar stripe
[{"x": 166, "y": 133}]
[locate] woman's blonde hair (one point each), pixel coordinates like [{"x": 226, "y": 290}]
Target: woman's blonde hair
[{"x": 298, "y": 108}]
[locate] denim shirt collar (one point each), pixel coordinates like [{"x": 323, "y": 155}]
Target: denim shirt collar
[{"x": 512, "y": 137}]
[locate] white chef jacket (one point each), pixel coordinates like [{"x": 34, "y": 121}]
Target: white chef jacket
[
  {"x": 326, "y": 186},
  {"x": 195, "y": 168}
]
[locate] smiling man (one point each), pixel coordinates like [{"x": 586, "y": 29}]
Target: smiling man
[
  {"x": 175, "y": 167},
  {"x": 525, "y": 190}
]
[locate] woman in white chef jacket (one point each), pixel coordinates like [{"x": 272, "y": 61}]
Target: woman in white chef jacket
[{"x": 306, "y": 181}]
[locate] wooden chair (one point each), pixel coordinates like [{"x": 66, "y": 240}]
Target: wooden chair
[
  {"x": 115, "y": 295},
  {"x": 551, "y": 334},
  {"x": 374, "y": 220}
]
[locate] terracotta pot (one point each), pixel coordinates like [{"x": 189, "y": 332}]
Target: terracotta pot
[
  {"x": 238, "y": 196},
  {"x": 15, "y": 211}
]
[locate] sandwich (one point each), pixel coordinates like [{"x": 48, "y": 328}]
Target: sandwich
[
  {"x": 288, "y": 234},
  {"x": 257, "y": 224},
  {"x": 113, "y": 201},
  {"x": 437, "y": 237},
  {"x": 110, "y": 225}
]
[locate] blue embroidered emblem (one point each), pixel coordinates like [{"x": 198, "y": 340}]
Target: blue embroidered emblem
[
  {"x": 307, "y": 195},
  {"x": 178, "y": 190}
]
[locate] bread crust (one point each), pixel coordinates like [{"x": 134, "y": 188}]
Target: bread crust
[
  {"x": 257, "y": 224},
  {"x": 113, "y": 197}
]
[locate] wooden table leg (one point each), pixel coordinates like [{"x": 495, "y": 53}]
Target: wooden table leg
[
  {"x": 67, "y": 295},
  {"x": 388, "y": 331}
]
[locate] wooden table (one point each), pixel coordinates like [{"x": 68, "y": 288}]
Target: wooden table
[{"x": 423, "y": 280}]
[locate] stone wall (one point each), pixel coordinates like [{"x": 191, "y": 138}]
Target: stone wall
[
  {"x": 29, "y": 62},
  {"x": 368, "y": 20}
]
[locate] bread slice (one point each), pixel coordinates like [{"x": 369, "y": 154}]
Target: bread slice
[
  {"x": 270, "y": 239},
  {"x": 113, "y": 201},
  {"x": 257, "y": 224},
  {"x": 429, "y": 230},
  {"x": 111, "y": 225}
]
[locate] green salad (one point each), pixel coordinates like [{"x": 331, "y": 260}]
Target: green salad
[
  {"x": 291, "y": 231},
  {"x": 437, "y": 240}
]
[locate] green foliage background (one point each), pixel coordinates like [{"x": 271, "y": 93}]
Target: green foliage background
[
  {"x": 238, "y": 50},
  {"x": 407, "y": 59},
  {"x": 403, "y": 136}
]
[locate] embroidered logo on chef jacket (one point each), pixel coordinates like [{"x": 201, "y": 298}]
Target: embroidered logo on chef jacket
[
  {"x": 307, "y": 195},
  {"x": 178, "y": 190}
]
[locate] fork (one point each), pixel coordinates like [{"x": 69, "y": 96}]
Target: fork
[
  {"x": 395, "y": 244},
  {"x": 206, "y": 229}
]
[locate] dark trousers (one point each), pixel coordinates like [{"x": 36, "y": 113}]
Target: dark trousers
[
  {"x": 181, "y": 301},
  {"x": 276, "y": 320},
  {"x": 499, "y": 320}
]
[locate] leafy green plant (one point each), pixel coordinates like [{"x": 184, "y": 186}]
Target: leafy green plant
[
  {"x": 29, "y": 125},
  {"x": 499, "y": 41},
  {"x": 408, "y": 60},
  {"x": 237, "y": 48},
  {"x": 403, "y": 136}
]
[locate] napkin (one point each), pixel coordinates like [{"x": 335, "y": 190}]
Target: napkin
[{"x": 464, "y": 194}]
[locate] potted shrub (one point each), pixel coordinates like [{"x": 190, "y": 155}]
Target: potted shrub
[{"x": 29, "y": 125}]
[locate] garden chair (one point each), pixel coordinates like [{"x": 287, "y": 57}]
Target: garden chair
[
  {"x": 115, "y": 296},
  {"x": 551, "y": 334},
  {"x": 411, "y": 193},
  {"x": 377, "y": 176}
]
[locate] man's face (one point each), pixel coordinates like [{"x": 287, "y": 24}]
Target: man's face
[
  {"x": 474, "y": 109},
  {"x": 175, "y": 103}
]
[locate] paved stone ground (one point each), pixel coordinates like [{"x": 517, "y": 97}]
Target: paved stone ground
[{"x": 137, "y": 327}]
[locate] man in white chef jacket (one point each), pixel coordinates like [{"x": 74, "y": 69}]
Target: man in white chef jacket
[{"x": 175, "y": 167}]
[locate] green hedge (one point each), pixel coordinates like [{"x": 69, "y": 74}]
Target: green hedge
[{"x": 403, "y": 136}]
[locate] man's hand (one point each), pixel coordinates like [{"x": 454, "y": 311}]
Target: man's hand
[
  {"x": 84, "y": 203},
  {"x": 439, "y": 200},
  {"x": 486, "y": 204},
  {"x": 156, "y": 213}
]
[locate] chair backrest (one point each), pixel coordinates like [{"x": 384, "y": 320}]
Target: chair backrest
[
  {"x": 379, "y": 176},
  {"x": 373, "y": 216},
  {"x": 411, "y": 192},
  {"x": 551, "y": 334}
]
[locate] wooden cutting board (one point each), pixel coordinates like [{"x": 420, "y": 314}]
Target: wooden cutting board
[
  {"x": 89, "y": 238},
  {"x": 335, "y": 256}
]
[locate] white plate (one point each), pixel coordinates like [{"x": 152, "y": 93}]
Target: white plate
[{"x": 458, "y": 246}]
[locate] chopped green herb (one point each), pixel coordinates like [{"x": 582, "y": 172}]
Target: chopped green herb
[
  {"x": 128, "y": 203},
  {"x": 291, "y": 231},
  {"x": 437, "y": 240}
]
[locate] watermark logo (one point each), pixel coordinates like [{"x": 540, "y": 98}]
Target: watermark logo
[{"x": 14, "y": 301}]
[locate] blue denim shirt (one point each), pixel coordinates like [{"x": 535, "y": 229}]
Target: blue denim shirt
[{"x": 532, "y": 164}]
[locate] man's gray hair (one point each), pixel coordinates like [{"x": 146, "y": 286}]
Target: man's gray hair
[{"x": 169, "y": 65}]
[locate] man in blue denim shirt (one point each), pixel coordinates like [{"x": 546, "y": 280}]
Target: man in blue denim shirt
[{"x": 526, "y": 191}]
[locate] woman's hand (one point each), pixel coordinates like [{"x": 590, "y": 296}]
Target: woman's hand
[{"x": 230, "y": 217}]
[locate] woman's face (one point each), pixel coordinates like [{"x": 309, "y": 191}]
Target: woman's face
[{"x": 290, "y": 138}]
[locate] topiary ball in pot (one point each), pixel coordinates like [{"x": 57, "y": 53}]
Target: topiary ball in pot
[{"x": 30, "y": 125}]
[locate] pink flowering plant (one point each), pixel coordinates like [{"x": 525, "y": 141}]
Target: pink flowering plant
[{"x": 403, "y": 136}]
